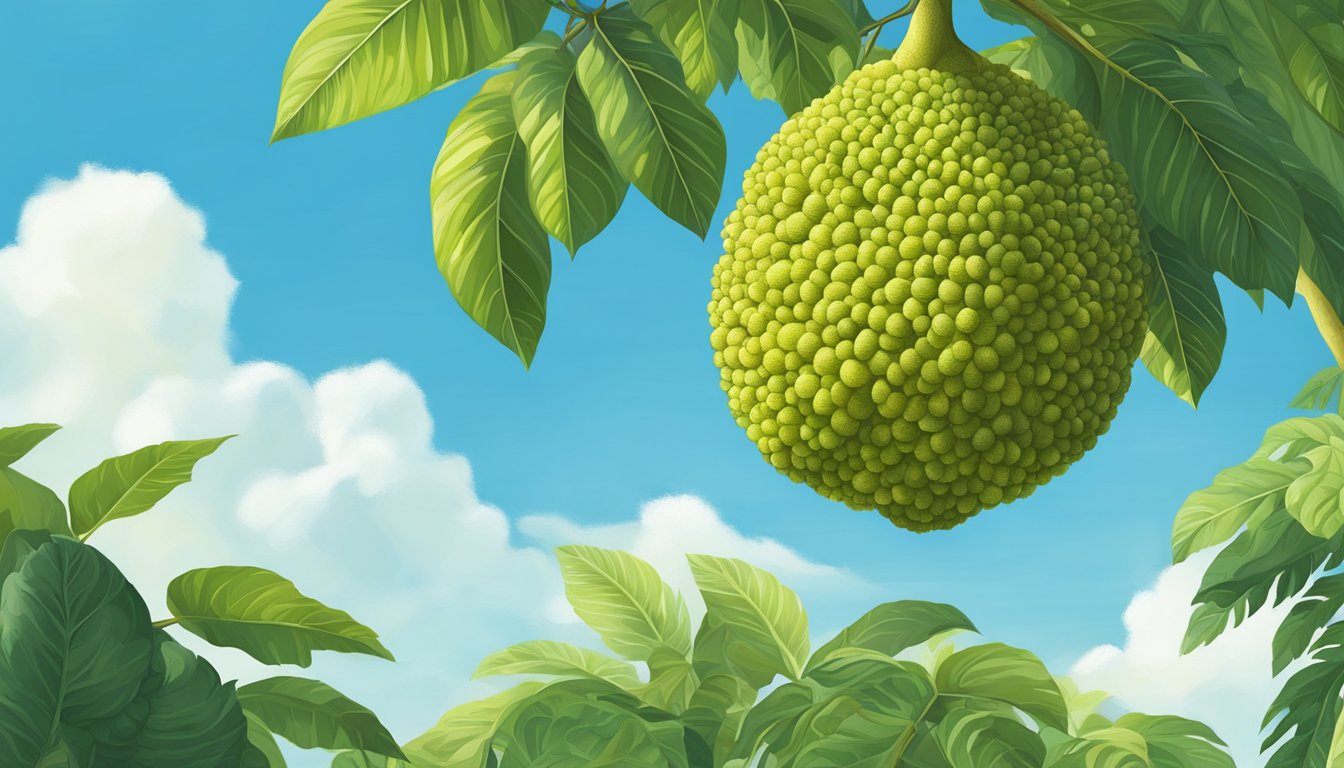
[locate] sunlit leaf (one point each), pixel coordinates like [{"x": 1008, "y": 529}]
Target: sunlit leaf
[
  {"x": 1011, "y": 675},
  {"x": 16, "y": 442},
  {"x": 765, "y": 623},
  {"x": 1175, "y": 742},
  {"x": 462, "y": 737},
  {"x": 313, "y": 715},
  {"x": 622, "y": 598},
  {"x": 700, "y": 32},
  {"x": 1213, "y": 515},
  {"x": 1316, "y": 498},
  {"x": 547, "y": 657},
  {"x": 893, "y": 627}
]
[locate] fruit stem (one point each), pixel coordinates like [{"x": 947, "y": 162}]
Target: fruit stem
[
  {"x": 932, "y": 42},
  {"x": 1327, "y": 320}
]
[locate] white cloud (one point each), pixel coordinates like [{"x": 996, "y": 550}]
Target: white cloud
[
  {"x": 1226, "y": 684},
  {"x": 114, "y": 320}
]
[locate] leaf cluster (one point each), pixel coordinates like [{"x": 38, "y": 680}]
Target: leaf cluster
[
  {"x": 745, "y": 688},
  {"x": 90, "y": 681}
]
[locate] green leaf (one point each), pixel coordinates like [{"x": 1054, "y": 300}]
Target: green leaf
[
  {"x": 574, "y": 188},
  {"x": 557, "y": 727},
  {"x": 462, "y": 737},
  {"x": 546, "y": 657},
  {"x": 264, "y": 615},
  {"x": 1109, "y": 747},
  {"x": 16, "y": 442},
  {"x": 1175, "y": 742},
  {"x": 1335, "y": 756},
  {"x": 672, "y": 681},
  {"x": 659, "y": 134},
  {"x": 26, "y": 505},
  {"x": 1308, "y": 707},
  {"x": 1213, "y": 515},
  {"x": 769, "y": 721},
  {"x": 1186, "y": 326},
  {"x": 127, "y": 485},
  {"x": 700, "y": 33},
  {"x": 793, "y": 51},
  {"x": 75, "y": 644},
  {"x": 970, "y": 739},
  {"x": 313, "y": 715},
  {"x": 361, "y": 57},
  {"x": 1316, "y": 498},
  {"x": 1292, "y": 439},
  {"x": 765, "y": 623},
  {"x": 717, "y": 711},
  {"x": 622, "y": 598},
  {"x": 1325, "y": 387},
  {"x": 1011, "y": 675},
  {"x": 490, "y": 248},
  {"x": 1308, "y": 615},
  {"x": 893, "y": 627},
  {"x": 261, "y": 739},
  {"x": 546, "y": 40}
]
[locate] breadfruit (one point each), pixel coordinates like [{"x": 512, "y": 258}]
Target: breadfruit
[{"x": 931, "y": 293}]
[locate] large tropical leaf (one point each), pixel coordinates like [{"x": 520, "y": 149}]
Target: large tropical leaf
[
  {"x": 490, "y": 248},
  {"x": 659, "y": 134},
  {"x": 764, "y": 621},
  {"x": 700, "y": 32},
  {"x": 361, "y": 57},
  {"x": 264, "y": 615},
  {"x": 1308, "y": 615},
  {"x": 970, "y": 739},
  {"x": 1308, "y": 707},
  {"x": 622, "y": 598},
  {"x": 75, "y": 644},
  {"x": 793, "y": 51},
  {"x": 574, "y": 188},
  {"x": 462, "y": 737},
  {"x": 1316, "y": 499},
  {"x": 127, "y": 485},
  {"x": 547, "y": 657},
  {"x": 313, "y": 715},
  {"x": 1213, "y": 515},
  {"x": 16, "y": 442},
  {"x": 1186, "y": 326},
  {"x": 893, "y": 627},
  {"x": 1011, "y": 675},
  {"x": 1175, "y": 742},
  {"x": 263, "y": 742}
]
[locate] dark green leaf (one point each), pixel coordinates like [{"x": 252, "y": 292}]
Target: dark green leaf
[
  {"x": 793, "y": 51},
  {"x": 1308, "y": 615},
  {"x": 1308, "y": 707},
  {"x": 16, "y": 442},
  {"x": 361, "y": 57},
  {"x": 127, "y": 485},
  {"x": 1011, "y": 675},
  {"x": 893, "y": 627},
  {"x": 1213, "y": 515},
  {"x": 622, "y": 598},
  {"x": 490, "y": 248},
  {"x": 766, "y": 627},
  {"x": 656, "y": 130},
  {"x": 264, "y": 615},
  {"x": 1323, "y": 388},
  {"x": 26, "y": 505},
  {"x": 700, "y": 33},
  {"x": 972, "y": 739},
  {"x": 1175, "y": 742},
  {"x": 1186, "y": 326},
  {"x": 574, "y": 188},
  {"x": 263, "y": 742},
  {"x": 547, "y": 657},
  {"x": 313, "y": 715}
]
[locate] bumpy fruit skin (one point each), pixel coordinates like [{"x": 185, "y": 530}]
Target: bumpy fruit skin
[{"x": 931, "y": 295}]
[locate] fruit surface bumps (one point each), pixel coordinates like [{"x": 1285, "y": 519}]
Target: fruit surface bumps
[{"x": 931, "y": 294}]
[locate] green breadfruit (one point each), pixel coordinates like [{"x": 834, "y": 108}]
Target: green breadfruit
[{"x": 932, "y": 289}]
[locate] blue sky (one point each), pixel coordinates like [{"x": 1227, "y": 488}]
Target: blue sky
[{"x": 329, "y": 238}]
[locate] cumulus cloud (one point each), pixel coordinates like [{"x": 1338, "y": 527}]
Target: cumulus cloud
[
  {"x": 114, "y": 320},
  {"x": 1226, "y": 684}
]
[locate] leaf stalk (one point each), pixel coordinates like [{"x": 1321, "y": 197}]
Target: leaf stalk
[
  {"x": 1327, "y": 320},
  {"x": 164, "y": 623}
]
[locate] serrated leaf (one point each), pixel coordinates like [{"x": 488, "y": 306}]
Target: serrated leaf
[
  {"x": 490, "y": 248},
  {"x": 16, "y": 442},
  {"x": 75, "y": 644},
  {"x": 1186, "y": 326},
  {"x": 264, "y": 615},
  {"x": 547, "y": 657},
  {"x": 361, "y": 57},
  {"x": 893, "y": 627},
  {"x": 1316, "y": 498},
  {"x": 1322, "y": 389},
  {"x": 1213, "y": 515},
  {"x": 766, "y": 627},
  {"x": 574, "y": 189},
  {"x": 700, "y": 33},
  {"x": 657, "y": 132},
  {"x": 462, "y": 737},
  {"x": 1011, "y": 675},
  {"x": 1308, "y": 615},
  {"x": 128, "y": 485},
  {"x": 793, "y": 51},
  {"x": 27, "y": 505},
  {"x": 313, "y": 715},
  {"x": 622, "y": 598}
]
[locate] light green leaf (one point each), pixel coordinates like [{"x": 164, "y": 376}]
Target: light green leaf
[
  {"x": 622, "y": 598},
  {"x": 26, "y": 505},
  {"x": 490, "y": 248},
  {"x": 672, "y": 681},
  {"x": 127, "y": 485},
  {"x": 75, "y": 644},
  {"x": 1213, "y": 515},
  {"x": 1109, "y": 747},
  {"x": 765, "y": 623},
  {"x": 261, "y": 739},
  {"x": 1316, "y": 498},
  {"x": 313, "y": 715},
  {"x": 361, "y": 57},
  {"x": 546, "y": 40},
  {"x": 658, "y": 133},
  {"x": 1011, "y": 675},
  {"x": 700, "y": 32},
  {"x": 1186, "y": 326},
  {"x": 1323, "y": 388},
  {"x": 547, "y": 657},
  {"x": 574, "y": 188},
  {"x": 264, "y": 615},
  {"x": 462, "y": 737},
  {"x": 793, "y": 51},
  {"x": 893, "y": 627},
  {"x": 1293, "y": 438},
  {"x": 16, "y": 442},
  {"x": 1335, "y": 757}
]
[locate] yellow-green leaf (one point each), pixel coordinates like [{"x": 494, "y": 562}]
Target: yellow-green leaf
[
  {"x": 547, "y": 657},
  {"x": 16, "y": 442},
  {"x": 623, "y": 599},
  {"x": 793, "y": 51},
  {"x": 764, "y": 620},
  {"x": 700, "y": 32}
]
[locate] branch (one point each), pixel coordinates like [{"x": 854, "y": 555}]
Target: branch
[{"x": 1327, "y": 320}]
